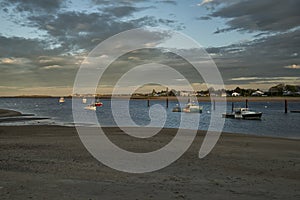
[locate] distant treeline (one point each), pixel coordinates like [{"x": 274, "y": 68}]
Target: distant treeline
[{"x": 278, "y": 90}]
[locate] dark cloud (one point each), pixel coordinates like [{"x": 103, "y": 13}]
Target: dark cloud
[
  {"x": 75, "y": 31},
  {"x": 122, "y": 11},
  {"x": 257, "y": 15},
  {"x": 69, "y": 37},
  {"x": 34, "y": 5},
  {"x": 117, "y": 2},
  {"x": 264, "y": 57},
  {"x": 168, "y": 2},
  {"x": 19, "y": 47},
  {"x": 270, "y": 51},
  {"x": 203, "y": 18}
]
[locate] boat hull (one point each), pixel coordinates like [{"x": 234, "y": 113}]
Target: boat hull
[
  {"x": 176, "y": 109},
  {"x": 94, "y": 108},
  {"x": 188, "y": 110},
  {"x": 252, "y": 116}
]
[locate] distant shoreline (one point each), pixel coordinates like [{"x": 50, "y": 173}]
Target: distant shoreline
[{"x": 173, "y": 98}]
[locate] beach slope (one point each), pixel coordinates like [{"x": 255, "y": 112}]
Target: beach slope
[{"x": 50, "y": 162}]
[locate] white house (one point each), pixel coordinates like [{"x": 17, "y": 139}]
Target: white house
[
  {"x": 235, "y": 94},
  {"x": 257, "y": 93}
]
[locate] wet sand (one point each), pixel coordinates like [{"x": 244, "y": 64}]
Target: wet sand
[
  {"x": 50, "y": 162},
  {"x": 9, "y": 113},
  {"x": 15, "y": 116}
]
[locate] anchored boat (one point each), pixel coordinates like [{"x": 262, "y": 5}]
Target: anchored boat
[
  {"x": 94, "y": 106},
  {"x": 192, "y": 108},
  {"x": 243, "y": 113},
  {"x": 61, "y": 100},
  {"x": 176, "y": 108},
  {"x": 91, "y": 107}
]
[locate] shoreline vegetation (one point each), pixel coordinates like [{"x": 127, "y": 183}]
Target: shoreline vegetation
[
  {"x": 174, "y": 98},
  {"x": 50, "y": 162}
]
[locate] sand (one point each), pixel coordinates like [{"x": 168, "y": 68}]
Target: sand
[
  {"x": 15, "y": 116},
  {"x": 50, "y": 162}
]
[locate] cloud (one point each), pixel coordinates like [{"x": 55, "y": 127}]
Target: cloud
[
  {"x": 52, "y": 67},
  {"x": 204, "y": 2},
  {"x": 13, "y": 61},
  {"x": 256, "y": 15},
  {"x": 7, "y": 61},
  {"x": 263, "y": 57},
  {"x": 203, "y": 18},
  {"x": 122, "y": 11},
  {"x": 263, "y": 82},
  {"x": 35, "y": 5},
  {"x": 18, "y": 47},
  {"x": 263, "y": 78},
  {"x": 168, "y": 2},
  {"x": 75, "y": 31}
]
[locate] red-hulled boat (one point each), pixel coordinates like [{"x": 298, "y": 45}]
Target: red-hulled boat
[{"x": 98, "y": 104}]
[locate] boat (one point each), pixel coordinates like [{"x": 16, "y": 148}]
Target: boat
[
  {"x": 98, "y": 104},
  {"x": 90, "y": 107},
  {"x": 243, "y": 113},
  {"x": 295, "y": 111},
  {"x": 176, "y": 108},
  {"x": 84, "y": 100},
  {"x": 61, "y": 100},
  {"x": 192, "y": 107}
]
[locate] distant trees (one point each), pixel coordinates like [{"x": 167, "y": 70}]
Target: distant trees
[
  {"x": 284, "y": 90},
  {"x": 278, "y": 90}
]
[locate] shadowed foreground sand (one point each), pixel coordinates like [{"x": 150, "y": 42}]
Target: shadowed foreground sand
[{"x": 49, "y": 162}]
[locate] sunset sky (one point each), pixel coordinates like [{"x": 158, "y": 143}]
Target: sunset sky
[{"x": 254, "y": 43}]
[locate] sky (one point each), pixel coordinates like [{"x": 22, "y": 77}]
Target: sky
[{"x": 43, "y": 43}]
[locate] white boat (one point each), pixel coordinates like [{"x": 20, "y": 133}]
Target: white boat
[
  {"x": 243, "y": 113},
  {"x": 84, "y": 100},
  {"x": 192, "y": 108},
  {"x": 90, "y": 107},
  {"x": 61, "y": 100}
]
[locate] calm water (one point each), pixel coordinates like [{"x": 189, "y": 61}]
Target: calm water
[{"x": 273, "y": 123}]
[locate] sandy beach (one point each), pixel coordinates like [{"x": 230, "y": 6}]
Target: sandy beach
[{"x": 50, "y": 162}]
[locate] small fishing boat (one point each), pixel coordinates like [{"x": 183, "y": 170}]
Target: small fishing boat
[
  {"x": 98, "y": 104},
  {"x": 61, "y": 100},
  {"x": 243, "y": 113},
  {"x": 176, "y": 108},
  {"x": 192, "y": 107},
  {"x": 84, "y": 100},
  {"x": 91, "y": 107}
]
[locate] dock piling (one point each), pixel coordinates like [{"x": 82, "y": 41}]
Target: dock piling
[
  {"x": 285, "y": 106},
  {"x": 214, "y": 105},
  {"x": 167, "y": 102}
]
